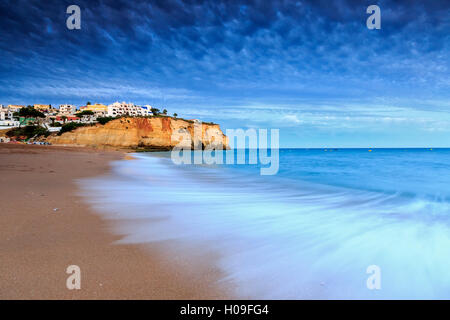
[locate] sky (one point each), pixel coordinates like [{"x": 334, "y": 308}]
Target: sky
[{"x": 311, "y": 69}]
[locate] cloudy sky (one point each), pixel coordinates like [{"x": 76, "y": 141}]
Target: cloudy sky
[{"x": 309, "y": 68}]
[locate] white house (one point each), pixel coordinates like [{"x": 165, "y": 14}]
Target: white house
[
  {"x": 147, "y": 110},
  {"x": 15, "y": 108},
  {"x": 67, "y": 109},
  {"x": 130, "y": 109},
  {"x": 6, "y": 124},
  {"x": 6, "y": 114},
  {"x": 88, "y": 119},
  {"x": 50, "y": 128}
]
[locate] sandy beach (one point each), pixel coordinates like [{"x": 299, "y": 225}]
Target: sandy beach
[{"x": 45, "y": 227}]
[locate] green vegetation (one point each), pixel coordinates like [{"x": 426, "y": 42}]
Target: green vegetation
[
  {"x": 28, "y": 132},
  {"x": 165, "y": 111},
  {"x": 74, "y": 125},
  {"x": 69, "y": 127},
  {"x": 88, "y": 103},
  {"x": 30, "y": 112},
  {"x": 142, "y": 148},
  {"x": 84, "y": 113},
  {"x": 103, "y": 120}
]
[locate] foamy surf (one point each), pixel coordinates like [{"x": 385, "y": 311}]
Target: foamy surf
[{"x": 284, "y": 237}]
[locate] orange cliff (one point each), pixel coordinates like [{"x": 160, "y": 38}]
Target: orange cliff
[{"x": 155, "y": 132}]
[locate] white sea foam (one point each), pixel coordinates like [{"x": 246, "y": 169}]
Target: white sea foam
[{"x": 278, "y": 240}]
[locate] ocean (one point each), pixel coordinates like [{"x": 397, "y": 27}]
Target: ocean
[{"x": 315, "y": 230}]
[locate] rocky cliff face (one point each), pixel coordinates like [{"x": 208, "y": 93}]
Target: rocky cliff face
[{"x": 156, "y": 132}]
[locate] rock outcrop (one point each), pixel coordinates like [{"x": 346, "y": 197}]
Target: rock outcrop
[{"x": 154, "y": 132}]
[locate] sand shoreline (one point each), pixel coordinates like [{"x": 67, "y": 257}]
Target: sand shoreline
[{"x": 46, "y": 226}]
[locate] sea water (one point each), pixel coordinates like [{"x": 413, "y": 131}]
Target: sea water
[{"x": 310, "y": 231}]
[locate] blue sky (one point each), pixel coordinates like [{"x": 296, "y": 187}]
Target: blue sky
[{"x": 309, "y": 68}]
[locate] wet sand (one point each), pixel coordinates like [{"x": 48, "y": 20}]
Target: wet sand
[{"x": 45, "y": 227}]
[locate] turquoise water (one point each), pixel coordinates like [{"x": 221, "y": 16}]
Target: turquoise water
[{"x": 311, "y": 231}]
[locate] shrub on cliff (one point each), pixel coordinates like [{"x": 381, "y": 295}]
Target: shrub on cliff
[
  {"x": 69, "y": 127},
  {"x": 28, "y": 132},
  {"x": 30, "y": 112},
  {"x": 84, "y": 113},
  {"x": 103, "y": 120}
]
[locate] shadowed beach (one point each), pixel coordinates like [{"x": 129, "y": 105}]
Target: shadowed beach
[{"x": 45, "y": 227}]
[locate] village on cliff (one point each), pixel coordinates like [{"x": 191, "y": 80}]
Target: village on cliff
[{"x": 36, "y": 120}]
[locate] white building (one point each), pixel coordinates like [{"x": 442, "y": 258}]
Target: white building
[
  {"x": 15, "y": 108},
  {"x": 147, "y": 110},
  {"x": 88, "y": 119},
  {"x": 6, "y": 124},
  {"x": 67, "y": 119},
  {"x": 130, "y": 109},
  {"x": 6, "y": 113},
  {"x": 50, "y": 128},
  {"x": 67, "y": 109}
]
